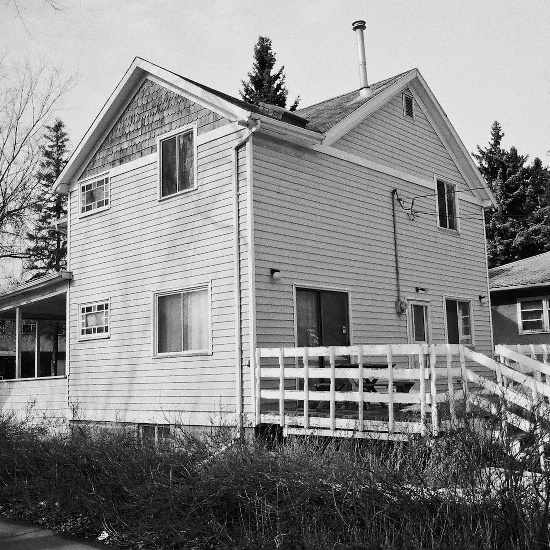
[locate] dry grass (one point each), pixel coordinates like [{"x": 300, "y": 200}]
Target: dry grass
[{"x": 306, "y": 494}]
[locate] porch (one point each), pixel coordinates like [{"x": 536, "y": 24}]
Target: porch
[
  {"x": 33, "y": 350},
  {"x": 394, "y": 391}
]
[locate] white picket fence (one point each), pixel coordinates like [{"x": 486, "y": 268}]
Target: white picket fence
[{"x": 438, "y": 376}]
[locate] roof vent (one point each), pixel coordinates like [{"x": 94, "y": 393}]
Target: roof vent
[{"x": 359, "y": 27}]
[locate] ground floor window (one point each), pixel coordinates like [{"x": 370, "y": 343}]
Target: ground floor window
[
  {"x": 154, "y": 435},
  {"x": 459, "y": 321},
  {"x": 182, "y": 320},
  {"x": 533, "y": 315}
]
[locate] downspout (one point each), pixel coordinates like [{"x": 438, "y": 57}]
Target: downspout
[
  {"x": 237, "y": 274},
  {"x": 400, "y": 305}
]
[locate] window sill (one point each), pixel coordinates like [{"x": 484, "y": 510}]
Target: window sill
[
  {"x": 527, "y": 332},
  {"x": 87, "y": 337},
  {"x": 205, "y": 353},
  {"x": 95, "y": 211},
  {"x": 178, "y": 194},
  {"x": 455, "y": 232},
  {"x": 34, "y": 379}
]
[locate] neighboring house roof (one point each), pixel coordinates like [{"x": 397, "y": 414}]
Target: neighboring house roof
[
  {"x": 530, "y": 272},
  {"x": 323, "y": 122}
]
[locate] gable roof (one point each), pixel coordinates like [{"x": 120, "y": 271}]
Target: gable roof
[
  {"x": 533, "y": 271},
  {"x": 326, "y": 121},
  {"x": 324, "y": 115}
]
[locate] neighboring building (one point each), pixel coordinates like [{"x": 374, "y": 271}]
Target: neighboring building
[
  {"x": 520, "y": 295},
  {"x": 201, "y": 227}
]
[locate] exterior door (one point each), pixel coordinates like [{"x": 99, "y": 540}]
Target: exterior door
[
  {"x": 418, "y": 327},
  {"x": 322, "y": 318}
]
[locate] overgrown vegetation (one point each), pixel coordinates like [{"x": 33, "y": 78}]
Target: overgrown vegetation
[{"x": 460, "y": 491}]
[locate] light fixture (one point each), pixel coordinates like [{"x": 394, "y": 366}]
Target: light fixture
[
  {"x": 483, "y": 299},
  {"x": 275, "y": 274},
  {"x": 420, "y": 290}
]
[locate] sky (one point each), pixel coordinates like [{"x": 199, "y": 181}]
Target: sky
[{"x": 484, "y": 60}]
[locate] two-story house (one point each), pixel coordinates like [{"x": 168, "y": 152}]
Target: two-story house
[{"x": 201, "y": 227}]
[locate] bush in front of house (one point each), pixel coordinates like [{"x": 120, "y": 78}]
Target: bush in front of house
[{"x": 459, "y": 491}]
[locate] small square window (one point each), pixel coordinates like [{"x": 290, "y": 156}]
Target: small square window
[
  {"x": 94, "y": 320},
  {"x": 177, "y": 163},
  {"x": 28, "y": 327},
  {"x": 408, "y": 105},
  {"x": 155, "y": 435},
  {"x": 446, "y": 205},
  {"x": 533, "y": 315},
  {"x": 94, "y": 195}
]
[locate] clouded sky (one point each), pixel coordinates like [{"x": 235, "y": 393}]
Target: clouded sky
[{"x": 484, "y": 60}]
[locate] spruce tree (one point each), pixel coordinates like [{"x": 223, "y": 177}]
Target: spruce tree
[
  {"x": 47, "y": 248},
  {"x": 520, "y": 225},
  {"x": 262, "y": 85}
]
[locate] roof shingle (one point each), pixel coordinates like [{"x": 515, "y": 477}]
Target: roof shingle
[{"x": 522, "y": 273}]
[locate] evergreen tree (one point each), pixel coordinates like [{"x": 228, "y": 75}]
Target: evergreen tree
[
  {"x": 262, "y": 85},
  {"x": 520, "y": 225},
  {"x": 47, "y": 248}
]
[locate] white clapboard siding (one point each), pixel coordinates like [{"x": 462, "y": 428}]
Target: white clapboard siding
[
  {"x": 139, "y": 246},
  {"x": 327, "y": 223},
  {"x": 35, "y": 396},
  {"x": 394, "y": 140}
]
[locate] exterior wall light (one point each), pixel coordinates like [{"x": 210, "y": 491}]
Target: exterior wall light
[
  {"x": 483, "y": 299},
  {"x": 420, "y": 290},
  {"x": 275, "y": 274}
]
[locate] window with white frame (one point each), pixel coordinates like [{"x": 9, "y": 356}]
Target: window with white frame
[
  {"x": 94, "y": 195},
  {"x": 533, "y": 315},
  {"x": 408, "y": 105},
  {"x": 177, "y": 163},
  {"x": 459, "y": 321},
  {"x": 182, "y": 320},
  {"x": 446, "y": 205},
  {"x": 94, "y": 320}
]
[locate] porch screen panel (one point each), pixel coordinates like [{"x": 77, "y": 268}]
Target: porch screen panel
[
  {"x": 195, "y": 320},
  {"x": 169, "y": 326}
]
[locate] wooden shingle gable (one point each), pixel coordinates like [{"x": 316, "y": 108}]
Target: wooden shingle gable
[{"x": 153, "y": 110}]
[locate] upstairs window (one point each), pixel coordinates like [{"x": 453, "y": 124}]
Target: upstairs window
[
  {"x": 94, "y": 195},
  {"x": 533, "y": 315},
  {"x": 177, "y": 163},
  {"x": 459, "y": 322},
  {"x": 408, "y": 105},
  {"x": 446, "y": 205},
  {"x": 94, "y": 320}
]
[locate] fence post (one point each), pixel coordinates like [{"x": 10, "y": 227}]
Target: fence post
[
  {"x": 433, "y": 391},
  {"x": 361, "y": 381},
  {"x": 332, "y": 389},
  {"x": 464, "y": 378},
  {"x": 389, "y": 358},
  {"x": 421, "y": 359},
  {"x": 306, "y": 388},
  {"x": 258, "y": 386},
  {"x": 450, "y": 384},
  {"x": 281, "y": 387}
]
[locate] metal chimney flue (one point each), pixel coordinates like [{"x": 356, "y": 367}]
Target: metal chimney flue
[{"x": 359, "y": 27}]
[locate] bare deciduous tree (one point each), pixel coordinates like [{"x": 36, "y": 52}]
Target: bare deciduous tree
[{"x": 28, "y": 98}]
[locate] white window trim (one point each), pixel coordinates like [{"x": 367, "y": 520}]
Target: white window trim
[
  {"x": 189, "y": 353},
  {"x": 545, "y": 311},
  {"x": 457, "y": 212},
  {"x": 405, "y": 115},
  {"x": 85, "y": 181},
  {"x": 472, "y": 327},
  {"x": 100, "y": 336},
  {"x": 419, "y": 302},
  {"x": 188, "y": 127}
]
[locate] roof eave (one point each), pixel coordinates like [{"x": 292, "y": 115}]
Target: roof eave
[
  {"x": 519, "y": 287},
  {"x": 43, "y": 283},
  {"x": 134, "y": 76}
]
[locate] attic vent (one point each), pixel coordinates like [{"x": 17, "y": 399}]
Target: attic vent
[{"x": 408, "y": 106}]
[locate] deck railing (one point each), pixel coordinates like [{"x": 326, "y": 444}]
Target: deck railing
[{"x": 409, "y": 386}]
